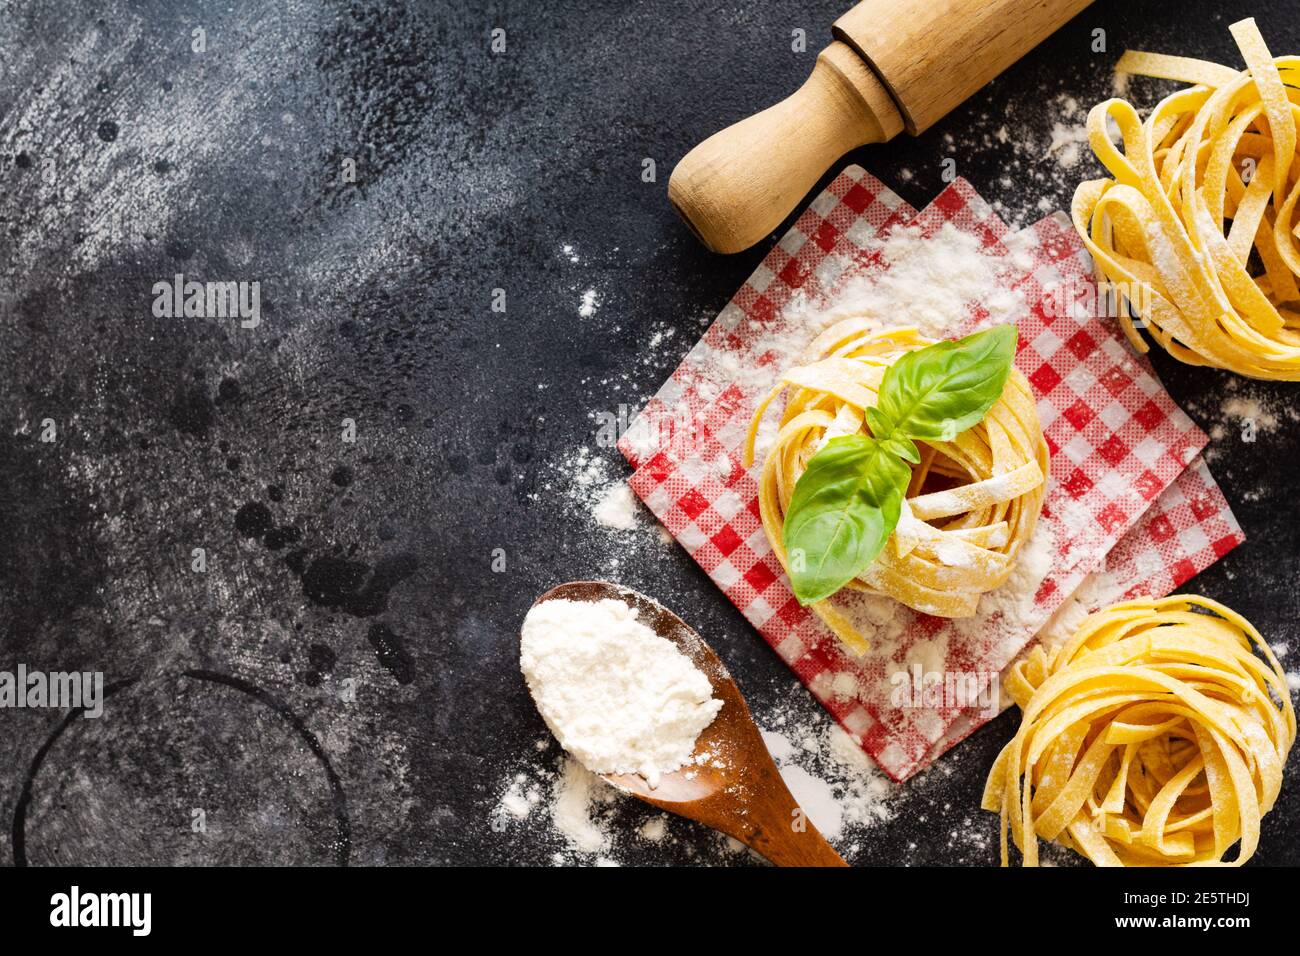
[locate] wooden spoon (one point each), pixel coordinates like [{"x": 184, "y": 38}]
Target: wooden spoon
[{"x": 738, "y": 789}]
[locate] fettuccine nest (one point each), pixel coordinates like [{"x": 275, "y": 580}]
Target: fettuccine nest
[
  {"x": 972, "y": 502},
  {"x": 1156, "y": 736},
  {"x": 1222, "y": 151}
]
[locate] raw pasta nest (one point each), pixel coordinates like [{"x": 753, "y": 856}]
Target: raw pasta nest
[
  {"x": 1155, "y": 736},
  {"x": 1223, "y": 150},
  {"x": 972, "y": 502}
]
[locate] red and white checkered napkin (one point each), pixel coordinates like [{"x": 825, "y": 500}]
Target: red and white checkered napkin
[
  {"x": 1117, "y": 443},
  {"x": 834, "y": 233},
  {"x": 1187, "y": 528}
]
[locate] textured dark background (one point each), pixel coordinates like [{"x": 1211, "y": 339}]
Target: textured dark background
[{"x": 125, "y": 158}]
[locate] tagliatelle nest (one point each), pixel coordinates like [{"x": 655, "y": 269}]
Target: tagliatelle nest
[
  {"x": 1197, "y": 230},
  {"x": 972, "y": 502},
  {"x": 1156, "y": 736}
]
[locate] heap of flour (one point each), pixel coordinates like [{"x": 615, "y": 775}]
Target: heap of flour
[
  {"x": 618, "y": 697},
  {"x": 931, "y": 282}
]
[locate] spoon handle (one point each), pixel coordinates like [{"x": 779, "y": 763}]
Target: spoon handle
[
  {"x": 782, "y": 832},
  {"x": 808, "y": 848}
]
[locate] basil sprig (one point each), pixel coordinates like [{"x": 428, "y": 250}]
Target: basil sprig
[{"x": 846, "y": 504}]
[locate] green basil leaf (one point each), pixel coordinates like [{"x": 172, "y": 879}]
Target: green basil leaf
[
  {"x": 935, "y": 393},
  {"x": 904, "y": 448},
  {"x": 880, "y": 426},
  {"x": 883, "y": 429},
  {"x": 843, "y": 510}
]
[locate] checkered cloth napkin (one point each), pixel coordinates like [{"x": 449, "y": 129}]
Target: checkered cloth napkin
[
  {"x": 1187, "y": 528},
  {"x": 1120, "y": 490}
]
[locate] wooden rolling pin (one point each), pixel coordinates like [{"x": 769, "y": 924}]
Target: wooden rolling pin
[{"x": 894, "y": 65}]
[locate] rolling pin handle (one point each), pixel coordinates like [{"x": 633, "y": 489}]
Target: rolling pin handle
[{"x": 739, "y": 184}]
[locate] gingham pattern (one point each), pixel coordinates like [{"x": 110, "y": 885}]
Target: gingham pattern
[
  {"x": 1186, "y": 529},
  {"x": 1191, "y": 528},
  {"x": 831, "y": 235},
  {"x": 1116, "y": 438}
]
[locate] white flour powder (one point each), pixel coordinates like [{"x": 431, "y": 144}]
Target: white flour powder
[
  {"x": 931, "y": 280},
  {"x": 1241, "y": 412},
  {"x": 616, "y": 508},
  {"x": 585, "y": 483},
  {"x": 835, "y": 782},
  {"x": 618, "y": 697},
  {"x": 840, "y": 788},
  {"x": 576, "y": 791},
  {"x": 931, "y": 283}
]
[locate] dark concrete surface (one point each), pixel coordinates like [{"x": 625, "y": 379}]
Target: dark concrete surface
[{"x": 341, "y": 683}]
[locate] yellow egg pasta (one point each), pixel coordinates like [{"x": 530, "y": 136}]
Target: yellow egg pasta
[
  {"x": 972, "y": 502},
  {"x": 1196, "y": 233},
  {"x": 1155, "y": 736}
]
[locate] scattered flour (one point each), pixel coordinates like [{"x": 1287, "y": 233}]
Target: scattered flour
[
  {"x": 654, "y": 829},
  {"x": 588, "y": 475},
  {"x": 617, "y": 508},
  {"x": 1244, "y": 411},
  {"x": 930, "y": 283},
  {"x": 588, "y": 485},
  {"x": 817, "y": 798},
  {"x": 1066, "y": 141},
  {"x": 1071, "y": 136},
  {"x": 1004, "y": 613},
  {"x": 590, "y": 302},
  {"x": 617, "y": 696},
  {"x": 833, "y": 780},
  {"x": 777, "y": 745},
  {"x": 571, "y": 808},
  {"x": 880, "y": 619},
  {"x": 838, "y": 785},
  {"x": 844, "y": 685},
  {"x": 1016, "y": 596},
  {"x": 1249, "y": 409},
  {"x": 519, "y": 798},
  {"x": 1041, "y": 144},
  {"x": 577, "y": 804}
]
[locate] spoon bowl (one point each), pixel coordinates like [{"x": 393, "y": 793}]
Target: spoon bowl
[{"x": 732, "y": 784}]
